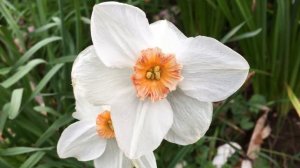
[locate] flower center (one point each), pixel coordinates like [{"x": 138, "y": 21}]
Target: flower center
[
  {"x": 155, "y": 74},
  {"x": 104, "y": 125}
]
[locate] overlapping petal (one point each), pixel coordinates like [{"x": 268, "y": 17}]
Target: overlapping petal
[
  {"x": 113, "y": 157},
  {"x": 166, "y": 36},
  {"x": 192, "y": 118},
  {"x": 146, "y": 161},
  {"x": 86, "y": 110},
  {"x": 97, "y": 83},
  {"x": 140, "y": 125},
  {"x": 211, "y": 70},
  {"x": 119, "y": 32},
  {"x": 80, "y": 140}
]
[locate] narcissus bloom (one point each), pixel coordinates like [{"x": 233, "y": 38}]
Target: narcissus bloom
[
  {"x": 159, "y": 83},
  {"x": 93, "y": 138}
]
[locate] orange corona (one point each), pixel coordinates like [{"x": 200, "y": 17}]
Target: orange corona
[
  {"x": 155, "y": 74},
  {"x": 104, "y": 125}
]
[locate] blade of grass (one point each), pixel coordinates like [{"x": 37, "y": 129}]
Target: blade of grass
[
  {"x": 78, "y": 25},
  {"x": 12, "y": 22},
  {"x": 63, "y": 120},
  {"x": 33, "y": 160},
  {"x": 22, "y": 71},
  {"x": 180, "y": 155},
  {"x": 15, "y": 103},
  {"x": 3, "y": 116},
  {"x": 62, "y": 26},
  {"x": 45, "y": 28},
  {"x": 245, "y": 35},
  {"x": 35, "y": 48},
  {"x": 46, "y": 109},
  {"x": 294, "y": 100},
  {"x": 5, "y": 164},
  {"x": 65, "y": 59},
  {"x": 232, "y": 32},
  {"x": 21, "y": 150},
  {"x": 44, "y": 81}
]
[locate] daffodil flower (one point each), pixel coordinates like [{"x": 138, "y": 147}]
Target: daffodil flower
[
  {"x": 159, "y": 83},
  {"x": 93, "y": 138}
]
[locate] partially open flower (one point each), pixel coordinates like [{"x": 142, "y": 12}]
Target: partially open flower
[
  {"x": 93, "y": 138},
  {"x": 159, "y": 83}
]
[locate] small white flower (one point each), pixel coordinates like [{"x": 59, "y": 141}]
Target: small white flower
[
  {"x": 224, "y": 152},
  {"x": 159, "y": 83},
  {"x": 93, "y": 138}
]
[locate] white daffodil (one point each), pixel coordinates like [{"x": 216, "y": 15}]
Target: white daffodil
[
  {"x": 93, "y": 138},
  {"x": 159, "y": 83}
]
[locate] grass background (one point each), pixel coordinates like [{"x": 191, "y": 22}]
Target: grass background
[{"x": 39, "y": 40}]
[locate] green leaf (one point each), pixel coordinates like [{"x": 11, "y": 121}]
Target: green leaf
[
  {"x": 64, "y": 59},
  {"x": 3, "y": 116},
  {"x": 5, "y": 164},
  {"x": 256, "y": 102},
  {"x": 35, "y": 48},
  {"x": 15, "y": 103},
  {"x": 45, "y": 80},
  {"x": 246, "y": 124},
  {"x": 226, "y": 38},
  {"x": 45, "y": 27},
  {"x": 4, "y": 71},
  {"x": 246, "y": 35},
  {"x": 33, "y": 160},
  {"x": 293, "y": 98},
  {"x": 180, "y": 155},
  {"x": 21, "y": 150},
  {"x": 22, "y": 71},
  {"x": 46, "y": 109},
  {"x": 86, "y": 20},
  {"x": 12, "y": 22},
  {"x": 63, "y": 120}
]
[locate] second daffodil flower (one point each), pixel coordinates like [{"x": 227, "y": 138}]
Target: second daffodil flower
[
  {"x": 93, "y": 138},
  {"x": 159, "y": 83}
]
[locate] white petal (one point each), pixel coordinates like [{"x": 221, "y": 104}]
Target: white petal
[
  {"x": 246, "y": 164},
  {"x": 80, "y": 140},
  {"x": 119, "y": 32},
  {"x": 146, "y": 161},
  {"x": 140, "y": 126},
  {"x": 86, "y": 110},
  {"x": 192, "y": 118},
  {"x": 211, "y": 70},
  {"x": 112, "y": 157},
  {"x": 97, "y": 83},
  {"x": 166, "y": 36}
]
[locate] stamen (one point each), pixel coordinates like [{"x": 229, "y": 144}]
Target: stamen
[
  {"x": 157, "y": 75},
  {"x": 156, "y": 68},
  {"x": 104, "y": 125},
  {"x": 149, "y": 75},
  {"x": 153, "y": 73}
]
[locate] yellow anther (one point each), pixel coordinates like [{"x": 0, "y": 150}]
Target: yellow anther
[
  {"x": 153, "y": 73},
  {"x": 157, "y": 75},
  {"x": 149, "y": 75},
  {"x": 156, "y": 68}
]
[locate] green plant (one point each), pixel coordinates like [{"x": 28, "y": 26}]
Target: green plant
[{"x": 265, "y": 32}]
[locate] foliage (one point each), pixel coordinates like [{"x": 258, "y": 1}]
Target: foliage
[{"x": 267, "y": 33}]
